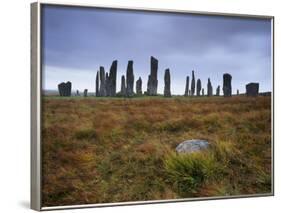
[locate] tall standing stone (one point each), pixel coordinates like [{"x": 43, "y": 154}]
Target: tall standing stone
[
  {"x": 68, "y": 88},
  {"x": 198, "y": 87},
  {"x": 186, "y": 86},
  {"x": 130, "y": 79},
  {"x": 123, "y": 86},
  {"x": 65, "y": 89},
  {"x": 112, "y": 79},
  {"x": 152, "y": 82},
  {"x": 139, "y": 86},
  {"x": 167, "y": 81},
  {"x": 85, "y": 92},
  {"x": 209, "y": 88},
  {"x": 218, "y": 91},
  {"x": 102, "y": 91},
  {"x": 227, "y": 90},
  {"x": 193, "y": 84},
  {"x": 107, "y": 85},
  {"x": 97, "y": 84},
  {"x": 237, "y": 93},
  {"x": 252, "y": 89},
  {"x": 203, "y": 92}
]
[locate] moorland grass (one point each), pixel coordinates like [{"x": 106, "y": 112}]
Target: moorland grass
[{"x": 98, "y": 150}]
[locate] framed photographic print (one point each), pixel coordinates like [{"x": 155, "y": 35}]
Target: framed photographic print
[{"x": 137, "y": 105}]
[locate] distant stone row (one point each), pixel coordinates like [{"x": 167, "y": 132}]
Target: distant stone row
[
  {"x": 106, "y": 84},
  {"x": 227, "y": 89}
]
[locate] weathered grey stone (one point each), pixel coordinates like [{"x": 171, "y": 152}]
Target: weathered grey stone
[
  {"x": 218, "y": 91},
  {"x": 193, "y": 84},
  {"x": 107, "y": 85},
  {"x": 152, "y": 82},
  {"x": 139, "y": 86},
  {"x": 203, "y": 92},
  {"x": 77, "y": 93},
  {"x": 130, "y": 79},
  {"x": 112, "y": 79},
  {"x": 65, "y": 89},
  {"x": 198, "y": 87},
  {"x": 167, "y": 81},
  {"x": 209, "y": 88},
  {"x": 191, "y": 146},
  {"x": 227, "y": 89},
  {"x": 123, "y": 86},
  {"x": 252, "y": 89},
  {"x": 97, "y": 84},
  {"x": 186, "y": 86},
  {"x": 237, "y": 92},
  {"x": 85, "y": 92},
  {"x": 102, "y": 90}
]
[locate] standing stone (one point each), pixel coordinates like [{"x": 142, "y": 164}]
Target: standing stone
[
  {"x": 252, "y": 89},
  {"x": 167, "y": 81},
  {"x": 130, "y": 79},
  {"x": 186, "y": 86},
  {"x": 152, "y": 82},
  {"x": 77, "y": 93},
  {"x": 203, "y": 92},
  {"x": 102, "y": 90},
  {"x": 227, "y": 90},
  {"x": 218, "y": 91},
  {"x": 198, "y": 87},
  {"x": 107, "y": 85},
  {"x": 97, "y": 84},
  {"x": 68, "y": 88},
  {"x": 65, "y": 89},
  {"x": 112, "y": 79},
  {"x": 209, "y": 88},
  {"x": 139, "y": 86},
  {"x": 189, "y": 92},
  {"x": 85, "y": 92},
  {"x": 123, "y": 86},
  {"x": 193, "y": 84},
  {"x": 237, "y": 92}
]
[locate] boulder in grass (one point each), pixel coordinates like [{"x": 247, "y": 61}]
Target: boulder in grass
[{"x": 190, "y": 146}]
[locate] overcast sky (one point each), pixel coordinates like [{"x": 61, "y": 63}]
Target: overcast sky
[{"x": 76, "y": 41}]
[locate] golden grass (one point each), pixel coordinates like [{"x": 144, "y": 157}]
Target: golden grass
[{"x": 98, "y": 150}]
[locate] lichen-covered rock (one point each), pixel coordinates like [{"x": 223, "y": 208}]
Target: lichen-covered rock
[{"x": 190, "y": 146}]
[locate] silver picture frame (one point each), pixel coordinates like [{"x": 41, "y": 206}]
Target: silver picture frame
[{"x": 36, "y": 87}]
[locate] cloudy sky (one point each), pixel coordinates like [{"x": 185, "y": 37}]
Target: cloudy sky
[{"x": 76, "y": 41}]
